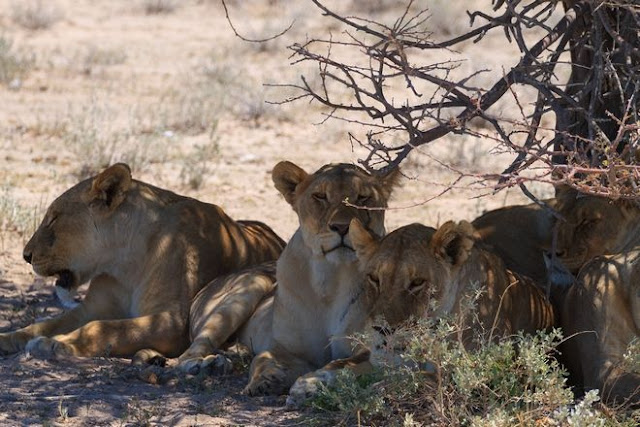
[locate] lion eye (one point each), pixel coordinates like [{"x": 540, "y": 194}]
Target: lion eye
[
  {"x": 416, "y": 286},
  {"x": 374, "y": 281},
  {"x": 319, "y": 196},
  {"x": 588, "y": 222}
]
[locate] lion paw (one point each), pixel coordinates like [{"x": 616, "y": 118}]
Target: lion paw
[
  {"x": 307, "y": 387},
  {"x": 48, "y": 348},
  {"x": 148, "y": 356},
  {"x": 13, "y": 342},
  {"x": 271, "y": 381},
  {"x": 213, "y": 364}
]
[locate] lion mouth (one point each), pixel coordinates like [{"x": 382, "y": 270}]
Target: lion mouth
[
  {"x": 66, "y": 279},
  {"x": 338, "y": 247}
]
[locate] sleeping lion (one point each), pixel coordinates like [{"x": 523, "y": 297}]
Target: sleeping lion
[{"x": 145, "y": 252}]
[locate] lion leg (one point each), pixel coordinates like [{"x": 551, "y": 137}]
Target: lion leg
[
  {"x": 309, "y": 384},
  {"x": 13, "y": 342},
  {"x": 598, "y": 331},
  {"x": 164, "y": 332},
  {"x": 273, "y": 372},
  {"x": 214, "y": 321}
]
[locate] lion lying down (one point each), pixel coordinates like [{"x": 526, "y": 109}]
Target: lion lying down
[
  {"x": 600, "y": 313},
  {"x": 520, "y": 235},
  {"x": 146, "y": 253},
  {"x": 304, "y": 324},
  {"x": 600, "y": 318},
  {"x": 416, "y": 268}
]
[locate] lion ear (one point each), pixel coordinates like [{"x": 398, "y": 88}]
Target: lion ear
[
  {"x": 565, "y": 193},
  {"x": 453, "y": 242},
  {"x": 364, "y": 241},
  {"x": 389, "y": 181},
  {"x": 286, "y": 177},
  {"x": 110, "y": 187}
]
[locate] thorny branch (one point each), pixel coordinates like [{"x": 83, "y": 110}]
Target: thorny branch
[{"x": 378, "y": 75}]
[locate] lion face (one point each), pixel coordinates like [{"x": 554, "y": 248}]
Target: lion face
[
  {"x": 593, "y": 226},
  {"x": 68, "y": 242},
  {"x": 409, "y": 272},
  {"x": 323, "y": 200}
]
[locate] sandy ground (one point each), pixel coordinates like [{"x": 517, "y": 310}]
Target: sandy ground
[{"x": 107, "y": 82}]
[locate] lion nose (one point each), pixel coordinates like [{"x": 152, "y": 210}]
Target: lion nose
[
  {"x": 27, "y": 256},
  {"x": 341, "y": 229}
]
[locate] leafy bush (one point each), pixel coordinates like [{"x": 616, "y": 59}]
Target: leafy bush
[{"x": 436, "y": 380}]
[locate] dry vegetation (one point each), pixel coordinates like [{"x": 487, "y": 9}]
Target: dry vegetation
[{"x": 168, "y": 88}]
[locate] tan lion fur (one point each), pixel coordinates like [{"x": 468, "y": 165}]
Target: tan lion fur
[
  {"x": 146, "y": 253},
  {"x": 317, "y": 274},
  {"x": 593, "y": 226},
  {"x": 519, "y": 234},
  {"x": 600, "y": 318},
  {"x": 418, "y": 271},
  {"x": 599, "y": 240}
]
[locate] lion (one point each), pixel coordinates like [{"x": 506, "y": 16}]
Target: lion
[
  {"x": 318, "y": 281},
  {"x": 601, "y": 318},
  {"x": 417, "y": 271},
  {"x": 598, "y": 240},
  {"x": 145, "y": 252},
  {"x": 520, "y": 235},
  {"x": 593, "y": 226}
]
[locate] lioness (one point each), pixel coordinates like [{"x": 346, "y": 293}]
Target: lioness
[
  {"x": 415, "y": 269},
  {"x": 317, "y": 274},
  {"x": 600, "y": 318},
  {"x": 519, "y": 235},
  {"x": 146, "y": 252},
  {"x": 601, "y": 311}
]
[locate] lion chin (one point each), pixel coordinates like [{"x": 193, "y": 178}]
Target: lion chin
[
  {"x": 66, "y": 297},
  {"x": 340, "y": 254}
]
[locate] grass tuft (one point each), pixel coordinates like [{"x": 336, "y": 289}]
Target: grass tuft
[{"x": 36, "y": 14}]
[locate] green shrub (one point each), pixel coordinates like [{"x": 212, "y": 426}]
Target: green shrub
[{"x": 436, "y": 380}]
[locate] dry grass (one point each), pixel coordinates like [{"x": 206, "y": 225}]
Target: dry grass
[
  {"x": 13, "y": 65},
  {"x": 157, "y": 7},
  {"x": 36, "y": 14}
]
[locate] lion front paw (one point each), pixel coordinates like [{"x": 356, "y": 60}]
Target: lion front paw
[
  {"x": 213, "y": 364},
  {"x": 148, "y": 356},
  {"x": 270, "y": 380},
  {"x": 308, "y": 386},
  {"x": 13, "y": 342},
  {"x": 49, "y": 348}
]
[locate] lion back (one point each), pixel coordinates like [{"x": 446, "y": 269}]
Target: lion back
[
  {"x": 517, "y": 303},
  {"x": 262, "y": 242}
]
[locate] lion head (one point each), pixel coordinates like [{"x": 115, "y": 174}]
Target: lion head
[
  {"x": 593, "y": 226},
  {"x": 327, "y": 200},
  {"x": 76, "y": 228},
  {"x": 412, "y": 267}
]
